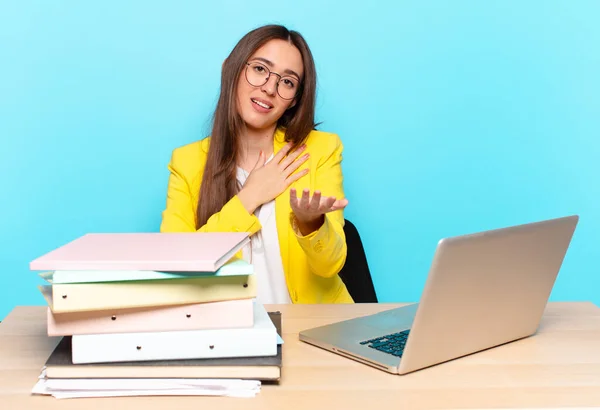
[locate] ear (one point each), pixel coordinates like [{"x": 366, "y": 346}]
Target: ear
[{"x": 293, "y": 104}]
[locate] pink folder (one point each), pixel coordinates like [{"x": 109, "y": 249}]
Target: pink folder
[{"x": 190, "y": 251}]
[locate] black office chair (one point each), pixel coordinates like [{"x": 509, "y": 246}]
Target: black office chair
[{"x": 355, "y": 274}]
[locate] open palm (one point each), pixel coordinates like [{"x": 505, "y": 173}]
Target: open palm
[{"x": 307, "y": 209}]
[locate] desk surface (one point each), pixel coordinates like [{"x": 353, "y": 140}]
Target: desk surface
[{"x": 560, "y": 366}]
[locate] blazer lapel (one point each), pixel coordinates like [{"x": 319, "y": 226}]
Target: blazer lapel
[{"x": 282, "y": 212}]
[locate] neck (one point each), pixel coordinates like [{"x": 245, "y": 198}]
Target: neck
[{"x": 252, "y": 142}]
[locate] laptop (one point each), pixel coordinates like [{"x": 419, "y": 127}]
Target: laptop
[{"x": 483, "y": 290}]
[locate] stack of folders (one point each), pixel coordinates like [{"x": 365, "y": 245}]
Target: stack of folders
[{"x": 177, "y": 309}]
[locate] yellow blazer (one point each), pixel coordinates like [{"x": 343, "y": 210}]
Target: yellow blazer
[{"x": 311, "y": 263}]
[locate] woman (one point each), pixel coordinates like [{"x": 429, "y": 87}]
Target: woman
[{"x": 256, "y": 171}]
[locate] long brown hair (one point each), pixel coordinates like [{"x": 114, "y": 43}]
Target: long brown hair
[{"x": 219, "y": 183}]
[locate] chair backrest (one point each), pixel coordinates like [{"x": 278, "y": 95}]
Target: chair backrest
[{"x": 355, "y": 273}]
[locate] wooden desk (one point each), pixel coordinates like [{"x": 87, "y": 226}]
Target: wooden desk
[{"x": 560, "y": 366}]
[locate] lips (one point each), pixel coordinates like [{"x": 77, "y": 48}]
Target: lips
[{"x": 262, "y": 103}]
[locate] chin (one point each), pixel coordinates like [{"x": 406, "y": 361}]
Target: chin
[{"x": 258, "y": 123}]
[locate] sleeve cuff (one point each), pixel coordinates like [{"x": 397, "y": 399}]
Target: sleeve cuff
[
  {"x": 314, "y": 240},
  {"x": 241, "y": 220}
]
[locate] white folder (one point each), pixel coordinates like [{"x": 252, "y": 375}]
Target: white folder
[{"x": 259, "y": 340}]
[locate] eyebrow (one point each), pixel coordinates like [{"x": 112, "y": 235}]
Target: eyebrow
[{"x": 270, "y": 64}]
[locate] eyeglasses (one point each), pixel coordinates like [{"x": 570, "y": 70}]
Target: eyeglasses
[{"x": 258, "y": 74}]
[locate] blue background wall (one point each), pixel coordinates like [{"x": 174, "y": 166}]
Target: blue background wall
[{"x": 456, "y": 116}]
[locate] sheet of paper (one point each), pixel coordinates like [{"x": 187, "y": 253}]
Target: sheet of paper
[
  {"x": 71, "y": 388},
  {"x": 147, "y": 384}
]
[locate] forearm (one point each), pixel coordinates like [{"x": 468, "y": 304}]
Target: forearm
[
  {"x": 325, "y": 247},
  {"x": 182, "y": 201},
  {"x": 233, "y": 217}
]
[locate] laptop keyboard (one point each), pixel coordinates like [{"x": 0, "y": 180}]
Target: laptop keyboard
[{"x": 393, "y": 343}]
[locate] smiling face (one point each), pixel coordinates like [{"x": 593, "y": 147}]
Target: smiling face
[{"x": 261, "y": 105}]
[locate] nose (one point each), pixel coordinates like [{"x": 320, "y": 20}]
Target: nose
[{"x": 270, "y": 87}]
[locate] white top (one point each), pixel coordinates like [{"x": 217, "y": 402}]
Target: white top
[{"x": 263, "y": 253}]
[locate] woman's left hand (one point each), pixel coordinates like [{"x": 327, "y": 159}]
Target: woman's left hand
[{"x": 310, "y": 212}]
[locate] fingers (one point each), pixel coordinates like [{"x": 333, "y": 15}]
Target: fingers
[
  {"x": 282, "y": 153},
  {"x": 261, "y": 160},
  {"x": 294, "y": 177},
  {"x": 285, "y": 163},
  {"x": 293, "y": 196},
  {"x": 315, "y": 202},
  {"x": 328, "y": 203},
  {"x": 304, "y": 201},
  {"x": 318, "y": 204},
  {"x": 337, "y": 205},
  {"x": 295, "y": 165}
]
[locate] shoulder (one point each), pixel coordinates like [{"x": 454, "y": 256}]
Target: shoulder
[
  {"x": 189, "y": 159},
  {"x": 323, "y": 143},
  {"x": 193, "y": 150},
  {"x": 324, "y": 147}
]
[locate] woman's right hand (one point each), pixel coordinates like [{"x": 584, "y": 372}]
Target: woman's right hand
[{"x": 266, "y": 181}]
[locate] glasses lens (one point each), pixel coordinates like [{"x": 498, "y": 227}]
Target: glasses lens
[
  {"x": 257, "y": 74},
  {"x": 288, "y": 87}
]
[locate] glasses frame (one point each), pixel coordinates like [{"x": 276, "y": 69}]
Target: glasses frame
[{"x": 269, "y": 77}]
